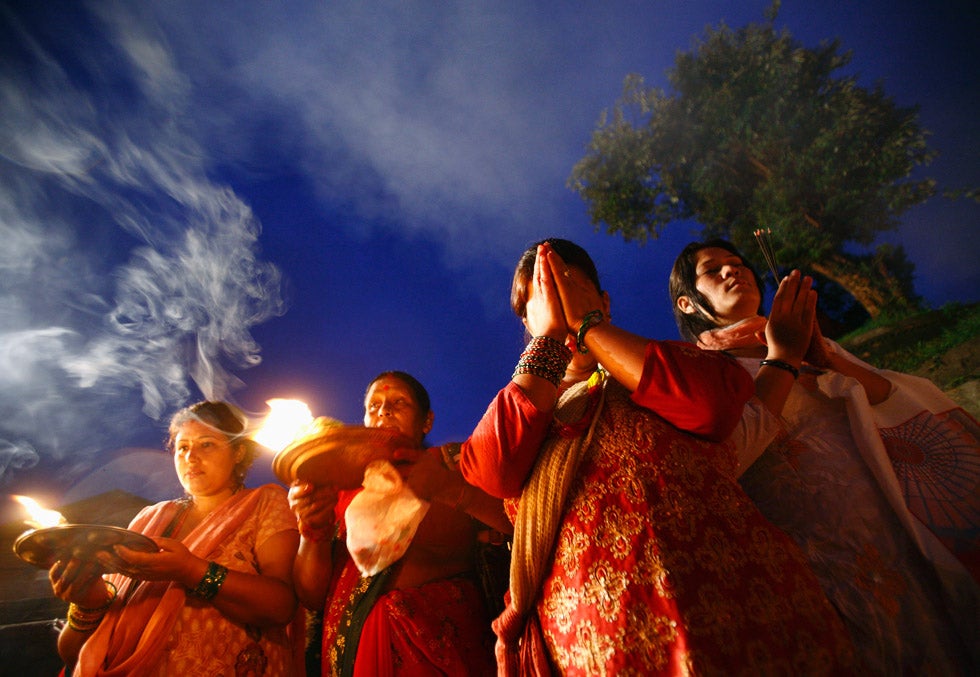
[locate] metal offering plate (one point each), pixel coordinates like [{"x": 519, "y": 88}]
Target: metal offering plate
[
  {"x": 336, "y": 455},
  {"x": 44, "y": 547}
]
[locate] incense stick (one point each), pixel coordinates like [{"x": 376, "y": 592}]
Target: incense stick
[{"x": 763, "y": 237}]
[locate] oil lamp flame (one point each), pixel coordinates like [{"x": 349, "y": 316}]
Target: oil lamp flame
[
  {"x": 287, "y": 420},
  {"x": 41, "y": 518}
]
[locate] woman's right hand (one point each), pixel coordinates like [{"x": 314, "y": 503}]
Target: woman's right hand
[
  {"x": 313, "y": 505},
  {"x": 79, "y": 582},
  {"x": 791, "y": 320}
]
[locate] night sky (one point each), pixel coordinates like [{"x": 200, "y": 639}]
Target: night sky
[{"x": 256, "y": 201}]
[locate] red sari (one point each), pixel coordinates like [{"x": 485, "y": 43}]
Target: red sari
[
  {"x": 662, "y": 565},
  {"x": 440, "y": 627}
]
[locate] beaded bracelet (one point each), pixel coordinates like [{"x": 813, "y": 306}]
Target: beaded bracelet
[
  {"x": 544, "y": 357},
  {"x": 211, "y": 582},
  {"x": 779, "y": 364},
  {"x": 591, "y": 319}
]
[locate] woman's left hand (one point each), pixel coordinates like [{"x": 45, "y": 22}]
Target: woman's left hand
[
  {"x": 172, "y": 562},
  {"x": 817, "y": 353},
  {"x": 578, "y": 294}
]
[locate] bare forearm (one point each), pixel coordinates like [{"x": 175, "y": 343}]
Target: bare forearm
[
  {"x": 260, "y": 599},
  {"x": 773, "y": 385},
  {"x": 542, "y": 393},
  {"x": 70, "y": 644},
  {"x": 312, "y": 572},
  {"x": 620, "y": 352},
  {"x": 251, "y": 599},
  {"x": 478, "y": 504},
  {"x": 876, "y": 386}
]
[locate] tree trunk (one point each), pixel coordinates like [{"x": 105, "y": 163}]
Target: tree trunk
[{"x": 874, "y": 292}]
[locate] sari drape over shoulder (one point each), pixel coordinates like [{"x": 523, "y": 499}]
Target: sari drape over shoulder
[
  {"x": 885, "y": 501},
  {"x": 153, "y": 624},
  {"x": 883, "y": 498}
]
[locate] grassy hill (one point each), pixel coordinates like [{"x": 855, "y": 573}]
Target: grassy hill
[{"x": 942, "y": 345}]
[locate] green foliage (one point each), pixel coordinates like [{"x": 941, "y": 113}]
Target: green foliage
[
  {"x": 759, "y": 131},
  {"x": 916, "y": 341}
]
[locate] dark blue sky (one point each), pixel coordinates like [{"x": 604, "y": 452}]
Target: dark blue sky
[{"x": 281, "y": 202}]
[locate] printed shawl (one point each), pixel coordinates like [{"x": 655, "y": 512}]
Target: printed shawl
[{"x": 923, "y": 449}]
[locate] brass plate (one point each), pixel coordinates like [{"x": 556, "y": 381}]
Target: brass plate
[
  {"x": 338, "y": 456},
  {"x": 44, "y": 547}
]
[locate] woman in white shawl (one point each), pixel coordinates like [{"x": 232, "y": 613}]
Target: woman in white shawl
[{"x": 875, "y": 474}]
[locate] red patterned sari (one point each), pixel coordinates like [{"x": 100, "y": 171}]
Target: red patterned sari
[
  {"x": 440, "y": 627},
  {"x": 661, "y": 565}
]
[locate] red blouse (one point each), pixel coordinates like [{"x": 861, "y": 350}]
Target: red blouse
[{"x": 696, "y": 391}]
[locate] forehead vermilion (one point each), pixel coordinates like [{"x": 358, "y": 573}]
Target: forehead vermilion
[{"x": 392, "y": 386}]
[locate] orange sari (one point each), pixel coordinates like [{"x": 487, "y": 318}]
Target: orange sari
[{"x": 154, "y": 628}]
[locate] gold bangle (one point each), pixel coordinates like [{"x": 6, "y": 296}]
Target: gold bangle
[{"x": 80, "y": 620}]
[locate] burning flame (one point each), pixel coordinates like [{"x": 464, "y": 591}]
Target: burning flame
[
  {"x": 287, "y": 420},
  {"x": 41, "y": 518}
]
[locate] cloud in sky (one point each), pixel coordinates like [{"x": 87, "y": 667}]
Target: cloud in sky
[
  {"x": 131, "y": 133},
  {"x": 429, "y": 110},
  {"x": 127, "y": 273}
]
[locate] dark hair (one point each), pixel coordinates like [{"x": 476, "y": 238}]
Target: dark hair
[
  {"x": 683, "y": 282},
  {"x": 228, "y": 420},
  {"x": 418, "y": 390},
  {"x": 571, "y": 254}
]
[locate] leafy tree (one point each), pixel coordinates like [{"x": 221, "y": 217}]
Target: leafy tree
[{"x": 760, "y": 132}]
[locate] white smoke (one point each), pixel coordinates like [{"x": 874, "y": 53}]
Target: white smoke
[{"x": 128, "y": 276}]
